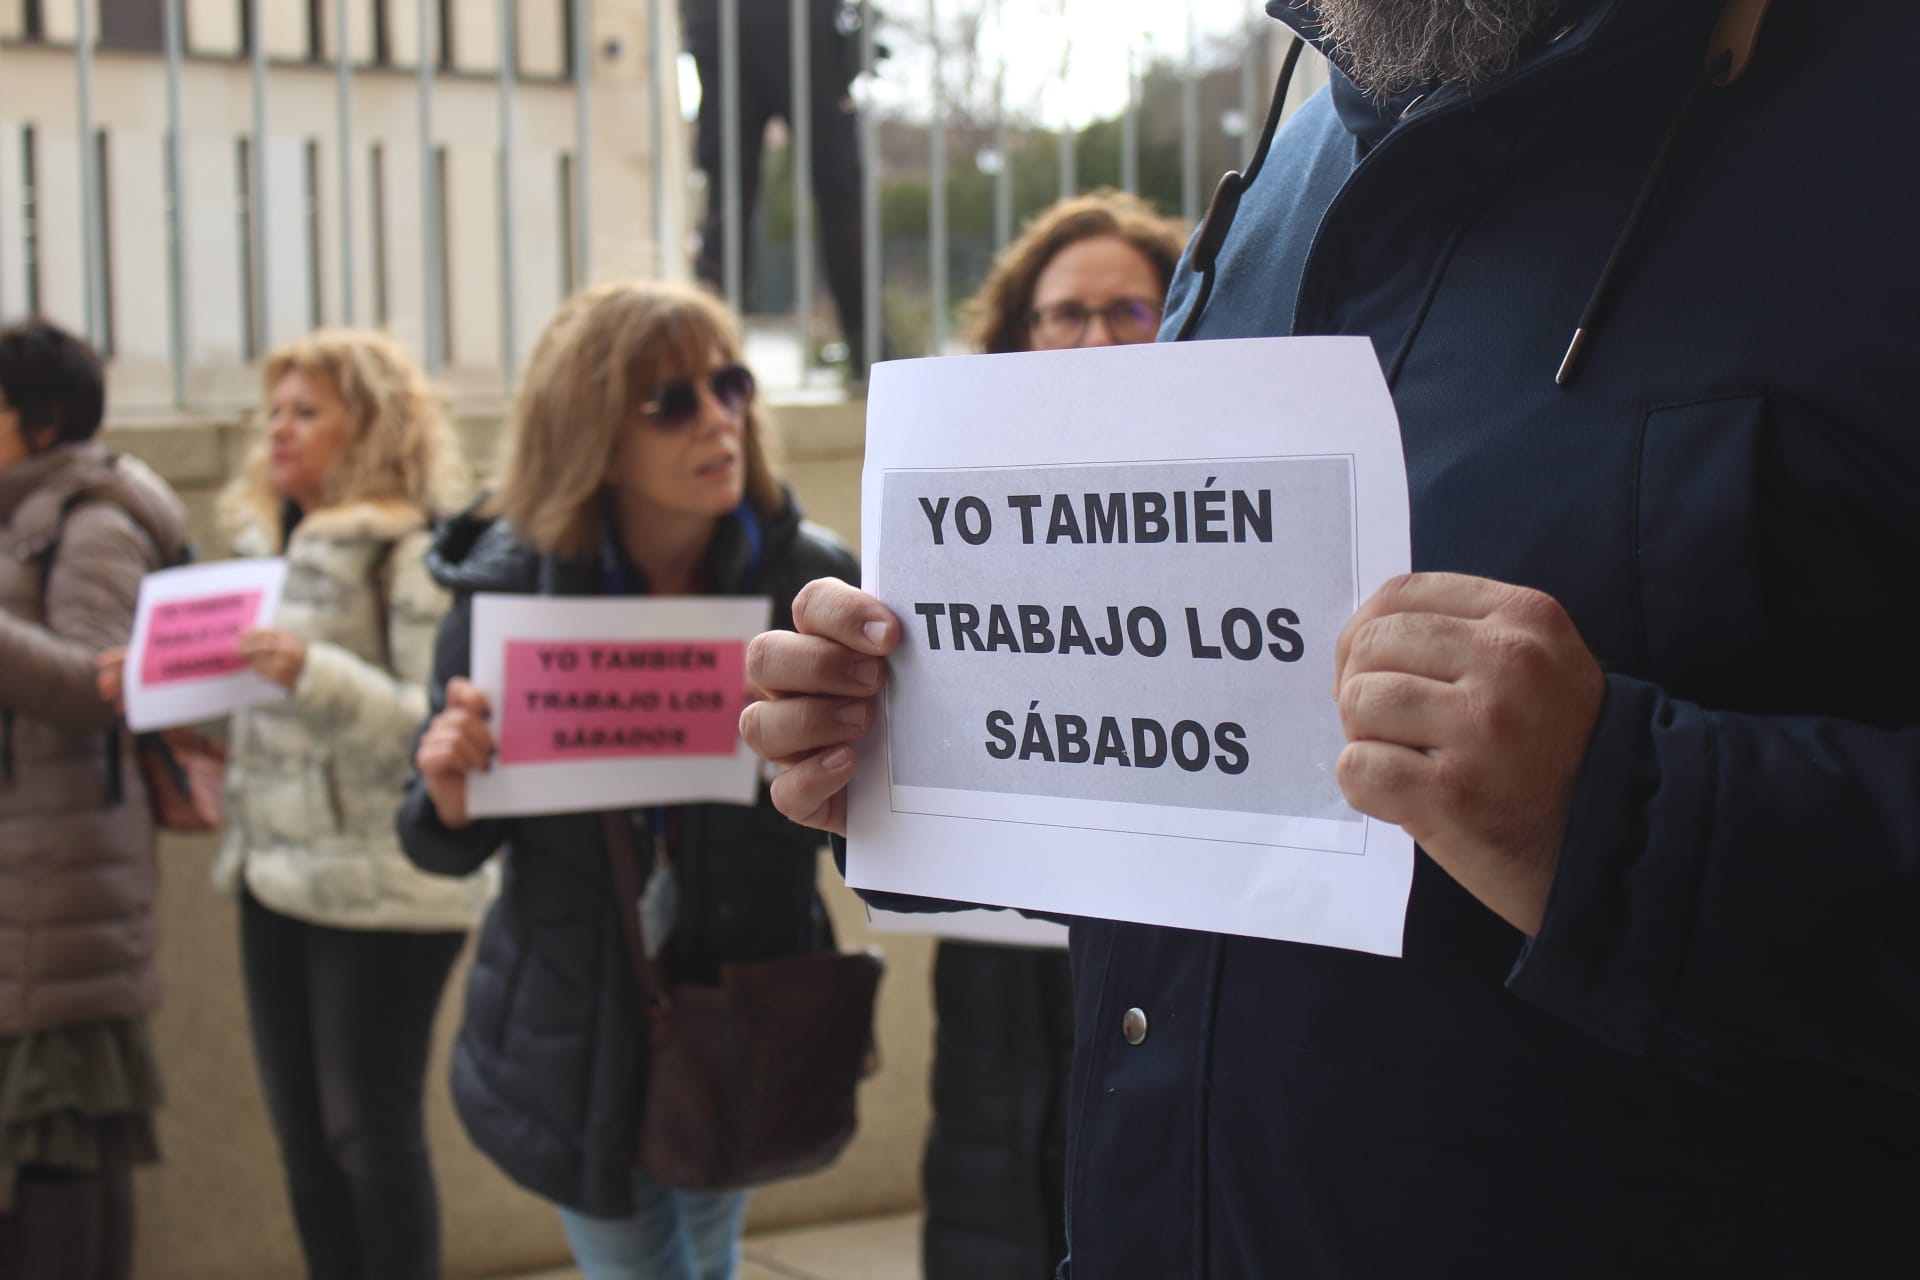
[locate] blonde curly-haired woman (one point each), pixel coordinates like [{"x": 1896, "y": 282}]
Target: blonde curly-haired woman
[{"x": 346, "y": 947}]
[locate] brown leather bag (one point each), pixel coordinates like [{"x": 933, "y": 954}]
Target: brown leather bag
[
  {"x": 185, "y": 772},
  {"x": 754, "y": 1079}
]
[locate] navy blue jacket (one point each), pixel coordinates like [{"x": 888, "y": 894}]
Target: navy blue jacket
[
  {"x": 1707, "y": 1062},
  {"x": 552, "y": 1048}
]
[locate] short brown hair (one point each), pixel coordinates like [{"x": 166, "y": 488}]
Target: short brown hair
[
  {"x": 998, "y": 314},
  {"x": 603, "y": 355},
  {"x": 399, "y": 446}
]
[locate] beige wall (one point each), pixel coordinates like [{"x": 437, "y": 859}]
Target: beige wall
[
  {"x": 216, "y": 1210},
  {"x": 306, "y": 243}
]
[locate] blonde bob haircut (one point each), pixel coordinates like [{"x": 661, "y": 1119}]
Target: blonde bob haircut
[
  {"x": 609, "y": 350},
  {"x": 399, "y": 447}
]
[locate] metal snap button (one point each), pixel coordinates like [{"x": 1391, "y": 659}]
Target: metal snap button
[{"x": 1133, "y": 1025}]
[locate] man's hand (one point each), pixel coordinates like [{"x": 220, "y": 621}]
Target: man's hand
[
  {"x": 1468, "y": 705},
  {"x": 457, "y": 742},
  {"x": 276, "y": 655},
  {"x": 817, "y": 684}
]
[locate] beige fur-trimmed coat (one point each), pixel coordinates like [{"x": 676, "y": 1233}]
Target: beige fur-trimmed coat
[{"x": 312, "y": 782}]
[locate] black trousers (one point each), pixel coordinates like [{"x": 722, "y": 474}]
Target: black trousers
[
  {"x": 72, "y": 1226},
  {"x": 995, "y": 1168},
  {"x": 766, "y": 91},
  {"x": 342, "y": 1023}
]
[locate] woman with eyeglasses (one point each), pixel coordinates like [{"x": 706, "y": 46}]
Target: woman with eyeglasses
[
  {"x": 1086, "y": 272},
  {"x": 634, "y": 464}
]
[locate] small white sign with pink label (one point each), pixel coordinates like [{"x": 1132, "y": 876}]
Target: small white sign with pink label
[
  {"x": 184, "y": 663},
  {"x": 613, "y": 703}
]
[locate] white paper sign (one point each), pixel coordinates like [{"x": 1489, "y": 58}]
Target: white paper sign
[
  {"x": 1121, "y": 573},
  {"x": 613, "y": 703},
  {"x": 183, "y": 662},
  {"x": 1002, "y": 928}
]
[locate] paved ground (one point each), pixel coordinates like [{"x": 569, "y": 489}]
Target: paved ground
[{"x": 869, "y": 1249}]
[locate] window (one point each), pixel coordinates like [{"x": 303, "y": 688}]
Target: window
[
  {"x": 443, "y": 224},
  {"x": 249, "y": 286},
  {"x": 377, "y": 193},
  {"x": 105, "y": 201},
  {"x": 569, "y": 255},
  {"x": 133, "y": 24},
  {"x": 446, "y": 35},
  {"x": 312, "y": 207},
  {"x": 33, "y": 20},
  {"x": 382, "y": 35},
  {"x": 30, "y": 214}
]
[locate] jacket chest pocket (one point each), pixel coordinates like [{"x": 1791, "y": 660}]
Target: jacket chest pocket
[{"x": 1698, "y": 548}]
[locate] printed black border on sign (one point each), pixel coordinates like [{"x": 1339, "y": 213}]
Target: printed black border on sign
[{"x": 1353, "y": 508}]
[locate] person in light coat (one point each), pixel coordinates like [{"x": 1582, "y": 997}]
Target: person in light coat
[{"x": 346, "y": 948}]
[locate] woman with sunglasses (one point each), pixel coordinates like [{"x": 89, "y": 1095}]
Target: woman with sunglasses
[
  {"x": 1086, "y": 272},
  {"x": 634, "y": 464}
]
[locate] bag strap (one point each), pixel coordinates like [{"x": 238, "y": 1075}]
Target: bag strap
[{"x": 622, "y": 858}]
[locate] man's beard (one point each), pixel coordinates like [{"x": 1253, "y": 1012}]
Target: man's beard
[{"x": 1393, "y": 45}]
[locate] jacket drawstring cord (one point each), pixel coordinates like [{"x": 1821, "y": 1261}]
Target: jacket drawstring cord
[
  {"x": 1226, "y": 197},
  {"x": 1728, "y": 52},
  {"x": 1608, "y": 283}
]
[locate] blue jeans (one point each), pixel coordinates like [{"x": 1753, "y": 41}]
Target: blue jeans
[{"x": 671, "y": 1235}]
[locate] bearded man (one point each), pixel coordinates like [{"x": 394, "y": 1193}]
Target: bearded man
[{"x": 1649, "y": 706}]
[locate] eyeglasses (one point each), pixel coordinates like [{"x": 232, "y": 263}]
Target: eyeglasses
[
  {"x": 1064, "y": 324},
  {"x": 677, "y": 403}
]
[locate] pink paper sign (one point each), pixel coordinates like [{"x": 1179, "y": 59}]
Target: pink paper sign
[
  {"x": 196, "y": 638},
  {"x": 569, "y": 700}
]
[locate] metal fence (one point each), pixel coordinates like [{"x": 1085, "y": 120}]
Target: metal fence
[{"x": 194, "y": 181}]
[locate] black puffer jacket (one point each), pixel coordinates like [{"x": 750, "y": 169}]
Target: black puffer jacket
[{"x": 549, "y": 1055}]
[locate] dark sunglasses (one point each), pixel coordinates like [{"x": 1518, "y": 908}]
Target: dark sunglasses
[{"x": 677, "y": 403}]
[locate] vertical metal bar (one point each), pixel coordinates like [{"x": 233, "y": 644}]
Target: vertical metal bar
[
  {"x": 731, "y": 237},
  {"x": 870, "y": 197},
  {"x": 937, "y": 187},
  {"x": 92, "y": 221},
  {"x": 1190, "y": 126},
  {"x": 3, "y": 210},
  {"x": 1252, "y": 65},
  {"x": 1069, "y": 161},
  {"x": 430, "y": 293},
  {"x": 343, "y": 142},
  {"x": 1130, "y": 129},
  {"x": 263, "y": 319},
  {"x": 583, "y": 142},
  {"x": 801, "y": 115},
  {"x": 176, "y": 211},
  {"x": 509, "y": 339},
  {"x": 665, "y": 87},
  {"x": 1003, "y": 173}
]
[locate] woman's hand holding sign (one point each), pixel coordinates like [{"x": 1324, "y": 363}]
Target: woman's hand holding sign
[
  {"x": 275, "y": 654},
  {"x": 457, "y": 742},
  {"x": 1468, "y": 705},
  {"x": 817, "y": 684}
]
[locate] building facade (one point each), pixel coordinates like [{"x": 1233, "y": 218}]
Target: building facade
[{"x": 448, "y": 204}]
